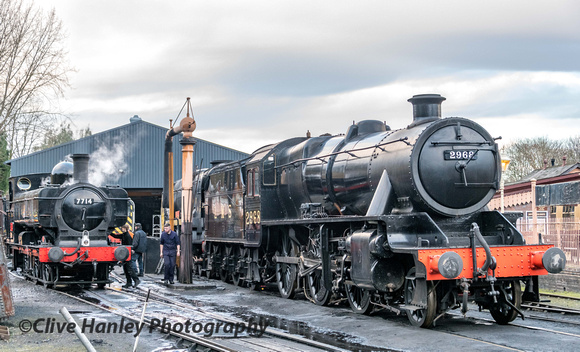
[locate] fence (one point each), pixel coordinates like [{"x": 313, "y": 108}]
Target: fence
[{"x": 565, "y": 235}]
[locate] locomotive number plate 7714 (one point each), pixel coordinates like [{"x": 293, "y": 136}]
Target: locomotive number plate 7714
[
  {"x": 459, "y": 154},
  {"x": 84, "y": 201}
]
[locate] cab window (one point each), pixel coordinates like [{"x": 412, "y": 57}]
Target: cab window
[
  {"x": 253, "y": 183},
  {"x": 269, "y": 168}
]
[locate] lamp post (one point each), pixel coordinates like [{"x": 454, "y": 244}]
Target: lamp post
[{"x": 505, "y": 162}]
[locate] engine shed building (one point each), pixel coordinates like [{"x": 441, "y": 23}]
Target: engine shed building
[{"x": 130, "y": 156}]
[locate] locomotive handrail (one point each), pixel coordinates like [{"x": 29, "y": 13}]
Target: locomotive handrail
[
  {"x": 24, "y": 199},
  {"x": 488, "y": 256},
  {"x": 461, "y": 184},
  {"x": 62, "y": 197},
  {"x": 490, "y": 143},
  {"x": 349, "y": 152}
]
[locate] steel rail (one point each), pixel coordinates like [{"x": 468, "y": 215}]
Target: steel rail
[
  {"x": 195, "y": 339},
  {"x": 552, "y": 320},
  {"x": 523, "y": 326},
  {"x": 270, "y": 331},
  {"x": 560, "y": 296},
  {"x": 550, "y": 308}
]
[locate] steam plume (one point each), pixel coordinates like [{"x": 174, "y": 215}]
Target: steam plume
[{"x": 107, "y": 164}]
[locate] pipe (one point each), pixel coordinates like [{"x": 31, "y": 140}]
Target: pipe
[
  {"x": 168, "y": 163},
  {"x": 186, "y": 208},
  {"x": 78, "y": 331},
  {"x": 80, "y": 168}
]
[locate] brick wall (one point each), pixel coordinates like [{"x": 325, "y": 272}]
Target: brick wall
[{"x": 567, "y": 280}]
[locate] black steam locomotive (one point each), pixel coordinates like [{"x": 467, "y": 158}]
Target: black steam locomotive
[
  {"x": 59, "y": 231},
  {"x": 391, "y": 219}
]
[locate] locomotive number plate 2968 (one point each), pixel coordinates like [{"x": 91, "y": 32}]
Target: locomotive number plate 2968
[
  {"x": 459, "y": 155},
  {"x": 84, "y": 201}
]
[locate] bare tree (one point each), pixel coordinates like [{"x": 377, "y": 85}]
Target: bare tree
[
  {"x": 573, "y": 147},
  {"x": 27, "y": 132},
  {"x": 529, "y": 154},
  {"x": 33, "y": 72}
]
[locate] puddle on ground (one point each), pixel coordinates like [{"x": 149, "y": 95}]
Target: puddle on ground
[{"x": 300, "y": 328}]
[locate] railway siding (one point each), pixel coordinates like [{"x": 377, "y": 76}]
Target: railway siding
[{"x": 386, "y": 330}]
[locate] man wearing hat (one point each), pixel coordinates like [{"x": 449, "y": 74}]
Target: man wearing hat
[
  {"x": 139, "y": 246},
  {"x": 169, "y": 250}
]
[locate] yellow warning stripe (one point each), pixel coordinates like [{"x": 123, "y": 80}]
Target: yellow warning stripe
[{"x": 130, "y": 219}]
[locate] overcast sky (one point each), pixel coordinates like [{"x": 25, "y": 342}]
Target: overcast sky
[{"x": 259, "y": 72}]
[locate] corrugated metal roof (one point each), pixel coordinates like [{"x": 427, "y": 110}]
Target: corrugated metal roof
[
  {"x": 550, "y": 172},
  {"x": 130, "y": 155}
]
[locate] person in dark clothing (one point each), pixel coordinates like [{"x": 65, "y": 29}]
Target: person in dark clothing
[
  {"x": 128, "y": 266},
  {"x": 169, "y": 249},
  {"x": 139, "y": 247}
]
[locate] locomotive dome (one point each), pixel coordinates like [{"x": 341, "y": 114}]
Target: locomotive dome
[{"x": 61, "y": 173}]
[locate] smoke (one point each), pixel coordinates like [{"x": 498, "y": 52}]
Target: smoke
[{"x": 108, "y": 163}]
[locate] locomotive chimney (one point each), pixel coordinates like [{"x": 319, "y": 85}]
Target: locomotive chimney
[
  {"x": 426, "y": 107},
  {"x": 80, "y": 168}
]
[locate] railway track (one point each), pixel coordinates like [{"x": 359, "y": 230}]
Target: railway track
[
  {"x": 549, "y": 307},
  {"x": 552, "y": 314},
  {"x": 523, "y": 325},
  {"x": 128, "y": 304},
  {"x": 552, "y": 319},
  {"x": 206, "y": 344},
  {"x": 559, "y": 296},
  {"x": 536, "y": 317},
  {"x": 272, "y": 339},
  {"x": 268, "y": 339},
  {"x": 492, "y": 344}
]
